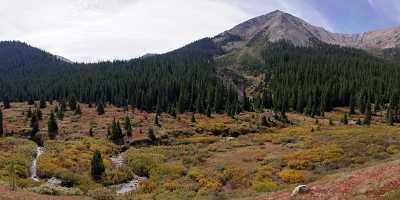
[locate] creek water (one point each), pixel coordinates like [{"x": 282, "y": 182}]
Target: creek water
[
  {"x": 33, "y": 169},
  {"x": 130, "y": 186}
]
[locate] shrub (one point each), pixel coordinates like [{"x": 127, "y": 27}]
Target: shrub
[
  {"x": 168, "y": 171},
  {"x": 236, "y": 177},
  {"x": 264, "y": 172},
  {"x": 264, "y": 186},
  {"x": 147, "y": 186},
  {"x": 194, "y": 174},
  {"x": 376, "y": 151},
  {"x": 102, "y": 194},
  {"x": 207, "y": 183},
  {"x": 56, "y": 190},
  {"x": 392, "y": 149},
  {"x": 328, "y": 156},
  {"x": 292, "y": 176},
  {"x": 142, "y": 163}
]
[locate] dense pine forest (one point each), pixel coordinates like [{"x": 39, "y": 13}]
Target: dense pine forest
[
  {"x": 310, "y": 80},
  {"x": 182, "y": 80},
  {"x": 313, "y": 80}
]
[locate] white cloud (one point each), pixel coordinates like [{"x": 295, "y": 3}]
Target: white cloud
[
  {"x": 390, "y": 8},
  {"x": 92, "y": 30}
]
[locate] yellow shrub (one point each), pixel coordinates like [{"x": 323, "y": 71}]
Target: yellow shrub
[
  {"x": 168, "y": 171},
  {"x": 171, "y": 185},
  {"x": 392, "y": 149},
  {"x": 236, "y": 177},
  {"x": 147, "y": 186},
  {"x": 264, "y": 172},
  {"x": 292, "y": 176},
  {"x": 141, "y": 163},
  {"x": 209, "y": 184},
  {"x": 264, "y": 186}
]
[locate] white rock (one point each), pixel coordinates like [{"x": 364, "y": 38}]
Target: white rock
[{"x": 300, "y": 189}]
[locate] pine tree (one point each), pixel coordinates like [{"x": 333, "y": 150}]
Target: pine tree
[
  {"x": 156, "y": 120},
  {"x": 42, "y": 103},
  {"x": 389, "y": 117},
  {"x": 1, "y": 124},
  {"x": 116, "y": 135},
  {"x": 100, "y": 108},
  {"x": 31, "y": 101},
  {"x": 193, "y": 119},
  {"x": 78, "y": 110},
  {"x": 39, "y": 114},
  {"x": 91, "y": 133},
  {"x": 97, "y": 166},
  {"x": 60, "y": 113},
  {"x": 151, "y": 135},
  {"x": 173, "y": 111},
  {"x": 352, "y": 105},
  {"x": 345, "y": 119},
  {"x": 72, "y": 103},
  {"x": 246, "y": 102},
  {"x": 359, "y": 122},
  {"x": 29, "y": 114},
  {"x": 63, "y": 105},
  {"x": 208, "y": 111},
  {"x": 34, "y": 126},
  {"x": 264, "y": 121},
  {"x": 52, "y": 127},
  {"x": 128, "y": 126},
  {"x": 6, "y": 103},
  {"x": 368, "y": 115}
]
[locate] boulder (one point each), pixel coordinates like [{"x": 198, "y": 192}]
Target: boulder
[{"x": 301, "y": 189}]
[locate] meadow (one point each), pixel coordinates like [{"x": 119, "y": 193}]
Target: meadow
[{"x": 206, "y": 158}]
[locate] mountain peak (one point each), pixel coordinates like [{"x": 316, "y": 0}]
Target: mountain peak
[
  {"x": 271, "y": 27},
  {"x": 279, "y": 25}
]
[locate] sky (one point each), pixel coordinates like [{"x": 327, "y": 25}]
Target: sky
[{"x": 99, "y": 30}]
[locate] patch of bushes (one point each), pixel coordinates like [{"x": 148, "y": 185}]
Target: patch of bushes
[
  {"x": 264, "y": 186},
  {"x": 292, "y": 176},
  {"x": 141, "y": 163},
  {"x": 56, "y": 190},
  {"x": 102, "y": 194}
]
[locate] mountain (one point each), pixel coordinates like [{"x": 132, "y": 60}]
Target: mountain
[
  {"x": 279, "y": 25},
  {"x": 278, "y": 60},
  {"x": 14, "y": 54},
  {"x": 243, "y": 61}
]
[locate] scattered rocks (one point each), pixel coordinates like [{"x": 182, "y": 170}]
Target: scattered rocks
[
  {"x": 130, "y": 186},
  {"x": 54, "y": 182},
  {"x": 117, "y": 160}
]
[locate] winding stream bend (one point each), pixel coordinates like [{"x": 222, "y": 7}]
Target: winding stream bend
[
  {"x": 130, "y": 186},
  {"x": 33, "y": 170}
]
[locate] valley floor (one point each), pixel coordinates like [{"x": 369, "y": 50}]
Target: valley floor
[{"x": 217, "y": 158}]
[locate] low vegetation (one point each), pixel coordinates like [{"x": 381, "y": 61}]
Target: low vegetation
[{"x": 216, "y": 157}]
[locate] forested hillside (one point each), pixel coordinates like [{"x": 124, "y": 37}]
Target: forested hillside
[
  {"x": 317, "y": 79},
  {"x": 182, "y": 80}
]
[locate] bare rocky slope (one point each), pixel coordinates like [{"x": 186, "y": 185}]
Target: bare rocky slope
[{"x": 279, "y": 25}]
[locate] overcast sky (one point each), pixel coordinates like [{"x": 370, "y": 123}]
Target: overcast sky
[{"x": 94, "y": 30}]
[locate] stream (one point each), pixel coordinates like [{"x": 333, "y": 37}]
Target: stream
[
  {"x": 117, "y": 161},
  {"x": 33, "y": 170},
  {"x": 130, "y": 186}
]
